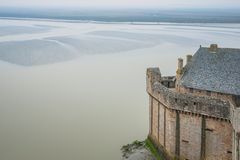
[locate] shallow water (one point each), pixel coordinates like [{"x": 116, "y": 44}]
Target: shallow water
[{"x": 77, "y": 90}]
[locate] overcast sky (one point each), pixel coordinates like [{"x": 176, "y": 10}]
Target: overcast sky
[{"x": 125, "y": 3}]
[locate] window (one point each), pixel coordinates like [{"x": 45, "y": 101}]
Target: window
[
  {"x": 208, "y": 129},
  {"x": 209, "y": 93},
  {"x": 185, "y": 141},
  {"x": 191, "y": 90},
  {"x": 237, "y": 100}
]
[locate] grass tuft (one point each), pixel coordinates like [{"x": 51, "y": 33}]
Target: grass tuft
[{"x": 152, "y": 148}]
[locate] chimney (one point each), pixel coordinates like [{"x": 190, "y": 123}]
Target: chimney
[
  {"x": 180, "y": 63},
  {"x": 213, "y": 48},
  {"x": 179, "y": 72},
  {"x": 180, "y": 66},
  {"x": 189, "y": 58}
]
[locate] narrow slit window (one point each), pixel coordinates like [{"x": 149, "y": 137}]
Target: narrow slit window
[
  {"x": 191, "y": 90},
  {"x": 209, "y": 93},
  {"x": 208, "y": 129},
  {"x": 185, "y": 141}
]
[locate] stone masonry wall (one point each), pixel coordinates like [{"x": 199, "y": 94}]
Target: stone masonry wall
[
  {"x": 218, "y": 140},
  {"x": 162, "y": 125},
  {"x": 198, "y": 92},
  {"x": 190, "y": 136},
  {"x": 185, "y": 126},
  {"x": 170, "y": 132},
  {"x": 155, "y": 119}
]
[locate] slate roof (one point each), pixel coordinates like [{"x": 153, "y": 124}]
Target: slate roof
[{"x": 218, "y": 72}]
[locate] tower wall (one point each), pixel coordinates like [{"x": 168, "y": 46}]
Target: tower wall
[{"x": 187, "y": 126}]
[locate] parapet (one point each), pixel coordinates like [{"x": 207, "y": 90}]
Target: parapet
[
  {"x": 207, "y": 106},
  {"x": 169, "y": 81},
  {"x": 153, "y": 75}
]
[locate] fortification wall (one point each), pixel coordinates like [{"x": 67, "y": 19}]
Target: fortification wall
[
  {"x": 189, "y": 127},
  {"x": 218, "y": 136},
  {"x": 208, "y": 106},
  {"x": 170, "y": 136},
  {"x": 198, "y": 92},
  {"x": 190, "y": 136}
]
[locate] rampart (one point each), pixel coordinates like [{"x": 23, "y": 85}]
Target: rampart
[
  {"x": 190, "y": 127},
  {"x": 206, "y": 106}
]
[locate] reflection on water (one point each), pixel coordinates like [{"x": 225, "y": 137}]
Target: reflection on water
[{"x": 90, "y": 104}]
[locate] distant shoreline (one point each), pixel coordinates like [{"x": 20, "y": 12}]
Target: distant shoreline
[
  {"x": 112, "y": 22},
  {"x": 124, "y": 16}
]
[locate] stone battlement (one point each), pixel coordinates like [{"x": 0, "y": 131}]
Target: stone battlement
[{"x": 207, "y": 106}]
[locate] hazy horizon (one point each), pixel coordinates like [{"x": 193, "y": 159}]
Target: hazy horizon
[
  {"x": 167, "y": 4},
  {"x": 180, "y": 15},
  {"x": 122, "y": 7}
]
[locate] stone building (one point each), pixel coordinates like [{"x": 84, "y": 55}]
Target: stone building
[{"x": 195, "y": 115}]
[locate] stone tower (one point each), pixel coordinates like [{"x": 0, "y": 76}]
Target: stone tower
[{"x": 195, "y": 115}]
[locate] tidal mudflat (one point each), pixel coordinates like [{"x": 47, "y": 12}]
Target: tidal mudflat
[{"x": 77, "y": 90}]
